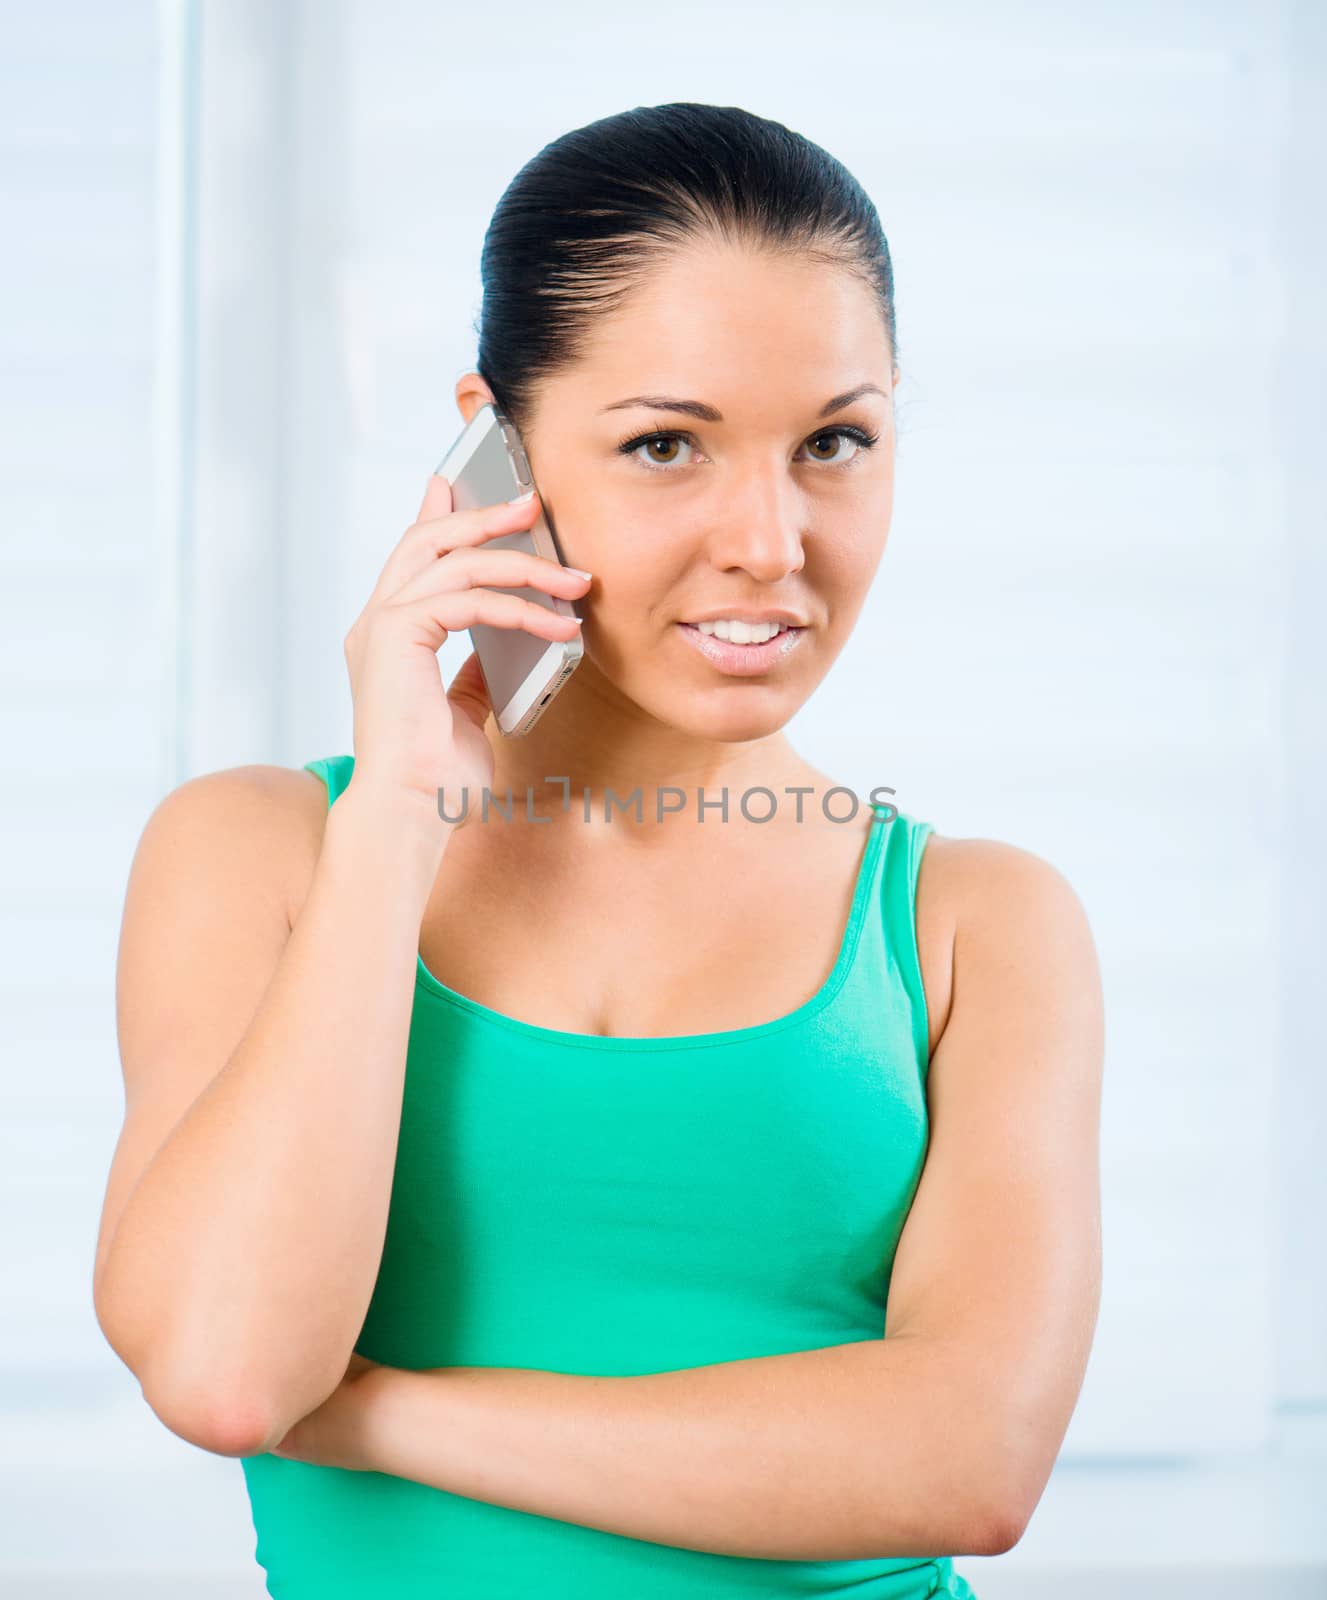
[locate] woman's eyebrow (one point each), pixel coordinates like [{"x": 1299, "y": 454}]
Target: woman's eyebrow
[{"x": 708, "y": 413}]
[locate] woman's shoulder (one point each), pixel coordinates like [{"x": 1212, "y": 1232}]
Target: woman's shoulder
[
  {"x": 978, "y": 875},
  {"x": 261, "y": 819},
  {"x": 983, "y": 892}
]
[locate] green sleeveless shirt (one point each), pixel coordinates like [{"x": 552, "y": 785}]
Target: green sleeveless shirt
[{"x": 618, "y": 1206}]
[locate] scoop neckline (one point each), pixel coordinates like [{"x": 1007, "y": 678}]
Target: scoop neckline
[{"x": 426, "y": 983}]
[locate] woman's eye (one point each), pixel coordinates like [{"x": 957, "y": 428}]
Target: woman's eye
[
  {"x": 836, "y": 436},
  {"x": 660, "y": 450}
]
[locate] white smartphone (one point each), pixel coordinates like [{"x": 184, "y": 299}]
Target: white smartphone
[{"x": 486, "y": 466}]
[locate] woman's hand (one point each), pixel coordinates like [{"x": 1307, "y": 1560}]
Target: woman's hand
[
  {"x": 412, "y": 738},
  {"x": 334, "y": 1434}
]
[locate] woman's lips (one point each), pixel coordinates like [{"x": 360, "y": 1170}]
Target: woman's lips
[{"x": 742, "y": 660}]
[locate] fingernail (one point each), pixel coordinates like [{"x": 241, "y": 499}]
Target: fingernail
[
  {"x": 520, "y": 499},
  {"x": 579, "y": 573}
]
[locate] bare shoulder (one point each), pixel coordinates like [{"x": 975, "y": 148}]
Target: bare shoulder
[
  {"x": 266, "y": 820},
  {"x": 985, "y": 895}
]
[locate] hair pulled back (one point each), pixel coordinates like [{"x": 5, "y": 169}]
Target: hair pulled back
[{"x": 585, "y": 220}]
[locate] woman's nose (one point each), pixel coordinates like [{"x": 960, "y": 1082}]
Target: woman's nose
[{"x": 759, "y": 528}]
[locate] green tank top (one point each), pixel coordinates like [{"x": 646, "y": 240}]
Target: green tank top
[{"x": 618, "y": 1206}]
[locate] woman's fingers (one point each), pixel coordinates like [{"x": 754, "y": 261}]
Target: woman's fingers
[
  {"x": 433, "y": 536},
  {"x": 437, "y": 501},
  {"x": 439, "y": 615},
  {"x": 492, "y": 568}
]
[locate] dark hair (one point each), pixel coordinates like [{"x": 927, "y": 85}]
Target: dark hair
[{"x": 584, "y": 220}]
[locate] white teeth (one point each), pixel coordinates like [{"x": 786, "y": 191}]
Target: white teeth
[{"x": 735, "y": 632}]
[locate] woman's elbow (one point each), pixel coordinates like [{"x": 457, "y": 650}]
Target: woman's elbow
[{"x": 214, "y": 1417}]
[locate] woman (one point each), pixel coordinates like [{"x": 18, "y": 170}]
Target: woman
[{"x": 673, "y": 1204}]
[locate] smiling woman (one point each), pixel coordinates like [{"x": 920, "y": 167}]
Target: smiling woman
[
  {"x": 643, "y": 1209},
  {"x": 772, "y": 500}
]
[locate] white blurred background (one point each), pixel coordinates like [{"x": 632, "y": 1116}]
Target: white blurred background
[{"x": 241, "y": 279}]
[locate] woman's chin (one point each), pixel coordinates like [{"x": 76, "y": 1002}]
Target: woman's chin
[{"x": 722, "y": 715}]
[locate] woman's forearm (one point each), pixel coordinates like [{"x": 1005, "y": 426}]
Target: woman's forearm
[
  {"x": 244, "y": 1261},
  {"x": 873, "y": 1449}
]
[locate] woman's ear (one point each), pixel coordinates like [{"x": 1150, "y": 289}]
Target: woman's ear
[{"x": 471, "y": 393}]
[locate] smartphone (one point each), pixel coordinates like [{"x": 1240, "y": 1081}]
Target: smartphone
[{"x": 523, "y": 673}]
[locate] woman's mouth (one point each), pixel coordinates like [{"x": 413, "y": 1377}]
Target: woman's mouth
[{"x": 740, "y": 659}]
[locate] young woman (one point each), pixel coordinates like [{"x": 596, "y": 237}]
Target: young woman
[{"x": 702, "y": 1203}]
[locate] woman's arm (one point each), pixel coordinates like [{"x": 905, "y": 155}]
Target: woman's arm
[
  {"x": 999, "y": 1265},
  {"x": 871, "y": 1450},
  {"x": 246, "y": 1206}
]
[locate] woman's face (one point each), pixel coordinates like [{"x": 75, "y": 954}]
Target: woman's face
[{"x": 770, "y": 500}]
